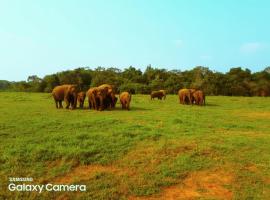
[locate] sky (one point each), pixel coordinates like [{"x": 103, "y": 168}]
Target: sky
[{"x": 39, "y": 37}]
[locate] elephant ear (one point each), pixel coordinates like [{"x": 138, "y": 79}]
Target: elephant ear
[
  {"x": 95, "y": 91},
  {"x": 70, "y": 88},
  {"x": 99, "y": 91},
  {"x": 105, "y": 90}
]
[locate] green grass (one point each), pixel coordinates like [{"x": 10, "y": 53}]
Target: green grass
[{"x": 154, "y": 145}]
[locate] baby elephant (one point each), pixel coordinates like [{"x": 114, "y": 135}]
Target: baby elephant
[
  {"x": 81, "y": 98},
  {"x": 125, "y": 99}
]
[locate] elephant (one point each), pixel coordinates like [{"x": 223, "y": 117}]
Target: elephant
[
  {"x": 125, "y": 99},
  {"x": 96, "y": 97},
  {"x": 67, "y": 93},
  {"x": 157, "y": 94},
  {"x": 81, "y": 98},
  {"x": 109, "y": 103},
  {"x": 110, "y": 95},
  {"x": 185, "y": 96},
  {"x": 199, "y": 97},
  {"x": 91, "y": 95},
  {"x": 164, "y": 93}
]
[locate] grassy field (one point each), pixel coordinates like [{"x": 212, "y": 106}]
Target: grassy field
[{"x": 157, "y": 150}]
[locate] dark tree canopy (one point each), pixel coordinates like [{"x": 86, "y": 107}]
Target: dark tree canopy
[{"x": 236, "y": 82}]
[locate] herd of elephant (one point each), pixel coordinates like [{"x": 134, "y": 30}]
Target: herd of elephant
[
  {"x": 186, "y": 96},
  {"x": 99, "y": 98},
  {"x": 104, "y": 97}
]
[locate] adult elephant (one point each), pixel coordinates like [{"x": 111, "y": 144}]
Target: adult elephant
[
  {"x": 199, "y": 97},
  {"x": 67, "y": 93},
  {"x": 110, "y": 96},
  {"x": 109, "y": 103},
  {"x": 185, "y": 96},
  {"x": 91, "y": 95},
  {"x": 157, "y": 94},
  {"x": 96, "y": 97}
]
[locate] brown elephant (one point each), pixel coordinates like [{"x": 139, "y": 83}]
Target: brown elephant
[
  {"x": 96, "y": 97},
  {"x": 125, "y": 99},
  {"x": 110, "y": 95},
  {"x": 185, "y": 96},
  {"x": 81, "y": 98},
  {"x": 109, "y": 103},
  {"x": 67, "y": 93},
  {"x": 91, "y": 95},
  {"x": 156, "y": 94},
  {"x": 164, "y": 93},
  {"x": 199, "y": 97}
]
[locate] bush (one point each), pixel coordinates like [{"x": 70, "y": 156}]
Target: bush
[{"x": 135, "y": 88}]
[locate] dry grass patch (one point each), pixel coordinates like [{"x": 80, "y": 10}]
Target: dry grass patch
[
  {"x": 82, "y": 173},
  {"x": 146, "y": 156},
  {"x": 252, "y": 114},
  {"x": 86, "y": 172},
  {"x": 248, "y": 133},
  {"x": 200, "y": 184}
]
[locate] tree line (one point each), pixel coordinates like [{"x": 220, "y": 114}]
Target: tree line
[{"x": 235, "y": 82}]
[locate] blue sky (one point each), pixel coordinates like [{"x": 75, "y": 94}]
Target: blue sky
[{"x": 43, "y": 37}]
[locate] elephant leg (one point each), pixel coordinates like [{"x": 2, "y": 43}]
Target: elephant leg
[
  {"x": 60, "y": 104},
  {"x": 89, "y": 104},
  {"x": 201, "y": 101},
  {"x": 128, "y": 105},
  {"x": 67, "y": 104},
  {"x": 183, "y": 99},
  {"x": 122, "y": 104},
  {"x": 72, "y": 103},
  {"x": 94, "y": 104},
  {"x": 190, "y": 101},
  {"x": 56, "y": 103},
  {"x": 101, "y": 106},
  {"x": 97, "y": 104}
]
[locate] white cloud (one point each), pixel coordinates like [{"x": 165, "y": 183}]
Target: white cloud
[
  {"x": 251, "y": 47},
  {"x": 178, "y": 43}
]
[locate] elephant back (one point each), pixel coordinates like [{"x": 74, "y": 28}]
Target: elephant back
[
  {"x": 125, "y": 96},
  {"x": 110, "y": 88}
]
